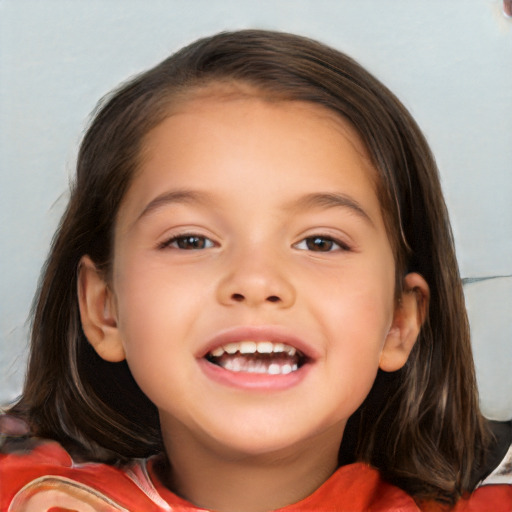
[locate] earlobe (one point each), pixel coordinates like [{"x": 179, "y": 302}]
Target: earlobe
[
  {"x": 98, "y": 312},
  {"x": 408, "y": 318}
]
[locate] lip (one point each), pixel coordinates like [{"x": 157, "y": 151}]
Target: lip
[
  {"x": 257, "y": 381},
  {"x": 275, "y": 334},
  {"x": 253, "y": 381}
]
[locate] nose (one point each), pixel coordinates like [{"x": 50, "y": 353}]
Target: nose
[{"x": 255, "y": 279}]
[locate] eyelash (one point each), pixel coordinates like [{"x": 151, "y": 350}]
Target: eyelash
[
  {"x": 333, "y": 244},
  {"x": 192, "y": 242},
  {"x": 175, "y": 241}
]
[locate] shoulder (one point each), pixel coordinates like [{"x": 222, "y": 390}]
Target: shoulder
[
  {"x": 356, "y": 487},
  {"x": 489, "y": 497},
  {"x": 39, "y": 475},
  {"x": 494, "y": 492}
]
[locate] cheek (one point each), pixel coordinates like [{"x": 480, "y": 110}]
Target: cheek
[
  {"x": 156, "y": 307},
  {"x": 357, "y": 317},
  {"x": 357, "y": 339},
  {"x": 141, "y": 306},
  {"x": 361, "y": 301}
]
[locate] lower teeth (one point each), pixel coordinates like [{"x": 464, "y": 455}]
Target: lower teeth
[{"x": 243, "y": 364}]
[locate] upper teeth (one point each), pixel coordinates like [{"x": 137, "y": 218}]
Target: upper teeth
[{"x": 251, "y": 347}]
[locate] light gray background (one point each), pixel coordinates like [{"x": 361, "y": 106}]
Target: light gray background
[{"x": 450, "y": 61}]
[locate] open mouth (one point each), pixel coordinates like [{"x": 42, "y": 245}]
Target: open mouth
[{"x": 263, "y": 357}]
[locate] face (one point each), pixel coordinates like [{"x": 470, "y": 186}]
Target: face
[{"x": 253, "y": 278}]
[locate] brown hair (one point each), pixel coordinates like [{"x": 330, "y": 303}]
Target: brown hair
[{"x": 421, "y": 426}]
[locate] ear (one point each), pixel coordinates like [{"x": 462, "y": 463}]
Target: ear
[
  {"x": 409, "y": 315},
  {"x": 98, "y": 312}
]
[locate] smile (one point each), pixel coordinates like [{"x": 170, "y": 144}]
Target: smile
[{"x": 261, "y": 357}]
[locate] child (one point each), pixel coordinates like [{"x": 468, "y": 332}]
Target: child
[{"x": 252, "y": 303}]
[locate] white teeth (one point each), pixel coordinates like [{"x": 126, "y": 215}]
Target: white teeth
[
  {"x": 265, "y": 347},
  {"x": 217, "y": 352},
  {"x": 233, "y": 365},
  {"x": 274, "y": 369},
  {"x": 286, "y": 368},
  {"x": 232, "y": 348},
  {"x": 247, "y": 347},
  {"x": 240, "y": 364},
  {"x": 251, "y": 347}
]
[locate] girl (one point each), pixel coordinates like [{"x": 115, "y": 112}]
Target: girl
[{"x": 252, "y": 302}]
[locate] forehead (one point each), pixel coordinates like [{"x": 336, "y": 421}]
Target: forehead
[
  {"x": 220, "y": 136},
  {"x": 207, "y": 99}
]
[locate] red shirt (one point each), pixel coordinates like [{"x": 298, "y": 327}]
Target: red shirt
[{"x": 46, "y": 479}]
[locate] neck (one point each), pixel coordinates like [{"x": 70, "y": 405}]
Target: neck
[{"x": 214, "y": 480}]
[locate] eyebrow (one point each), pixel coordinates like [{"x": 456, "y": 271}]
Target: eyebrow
[
  {"x": 172, "y": 197},
  {"x": 330, "y": 200},
  {"x": 308, "y": 201}
]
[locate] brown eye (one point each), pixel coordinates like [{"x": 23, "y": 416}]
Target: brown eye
[
  {"x": 189, "y": 242},
  {"x": 320, "y": 243}
]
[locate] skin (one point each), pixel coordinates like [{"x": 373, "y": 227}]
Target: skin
[{"x": 270, "y": 259}]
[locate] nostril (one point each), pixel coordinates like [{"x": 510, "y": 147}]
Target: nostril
[{"x": 239, "y": 297}]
